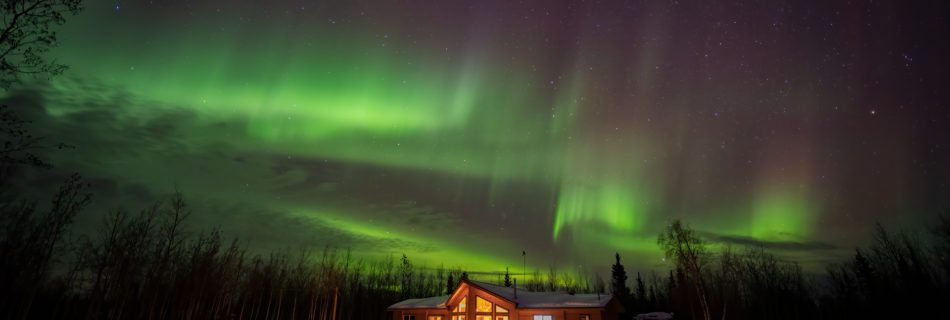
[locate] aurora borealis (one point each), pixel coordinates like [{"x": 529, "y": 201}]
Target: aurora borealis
[{"x": 462, "y": 133}]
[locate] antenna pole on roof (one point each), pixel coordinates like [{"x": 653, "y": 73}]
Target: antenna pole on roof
[
  {"x": 516, "y": 289},
  {"x": 523, "y": 264}
]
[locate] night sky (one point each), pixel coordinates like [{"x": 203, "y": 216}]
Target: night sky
[{"x": 463, "y": 133}]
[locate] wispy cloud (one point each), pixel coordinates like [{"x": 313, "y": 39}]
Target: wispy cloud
[{"x": 767, "y": 244}]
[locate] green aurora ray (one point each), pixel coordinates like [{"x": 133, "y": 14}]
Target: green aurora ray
[{"x": 607, "y": 168}]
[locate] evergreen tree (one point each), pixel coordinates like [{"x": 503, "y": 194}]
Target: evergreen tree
[
  {"x": 618, "y": 284},
  {"x": 618, "y": 281},
  {"x": 450, "y": 285},
  {"x": 406, "y": 270},
  {"x": 507, "y": 278}
]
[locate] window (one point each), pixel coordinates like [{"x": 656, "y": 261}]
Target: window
[
  {"x": 461, "y": 306},
  {"x": 459, "y": 312},
  {"x": 483, "y": 317},
  {"x": 408, "y": 317},
  {"x": 482, "y": 305},
  {"x": 543, "y": 317},
  {"x": 501, "y": 313},
  {"x": 585, "y": 317},
  {"x": 434, "y": 318}
]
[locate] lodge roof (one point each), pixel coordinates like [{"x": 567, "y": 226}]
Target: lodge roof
[
  {"x": 524, "y": 300},
  {"x": 422, "y": 303}
]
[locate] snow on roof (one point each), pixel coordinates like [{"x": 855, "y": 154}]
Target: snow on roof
[
  {"x": 525, "y": 299},
  {"x": 529, "y": 299},
  {"x": 423, "y": 303}
]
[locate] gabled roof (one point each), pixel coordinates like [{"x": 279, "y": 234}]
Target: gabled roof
[
  {"x": 423, "y": 303},
  {"x": 524, "y": 300},
  {"x": 529, "y": 299}
]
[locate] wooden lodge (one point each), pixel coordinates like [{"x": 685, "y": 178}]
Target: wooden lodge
[{"x": 473, "y": 300}]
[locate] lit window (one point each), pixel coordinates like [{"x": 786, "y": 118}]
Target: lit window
[
  {"x": 543, "y": 317},
  {"x": 482, "y": 305},
  {"x": 434, "y": 318},
  {"x": 458, "y": 317},
  {"x": 499, "y": 309},
  {"x": 501, "y": 318},
  {"x": 461, "y": 306},
  {"x": 482, "y": 317}
]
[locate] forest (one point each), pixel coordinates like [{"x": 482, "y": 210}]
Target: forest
[{"x": 150, "y": 263}]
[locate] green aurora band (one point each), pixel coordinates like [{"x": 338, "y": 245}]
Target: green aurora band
[{"x": 345, "y": 98}]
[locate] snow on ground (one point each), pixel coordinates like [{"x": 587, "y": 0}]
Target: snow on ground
[{"x": 654, "y": 316}]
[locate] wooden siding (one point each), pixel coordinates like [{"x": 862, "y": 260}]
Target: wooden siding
[{"x": 470, "y": 292}]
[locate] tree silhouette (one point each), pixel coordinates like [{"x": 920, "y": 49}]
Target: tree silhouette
[
  {"x": 28, "y": 33},
  {"x": 406, "y": 271},
  {"x": 18, "y": 148},
  {"x": 618, "y": 283},
  {"x": 641, "y": 295},
  {"x": 941, "y": 232},
  {"x": 688, "y": 251},
  {"x": 31, "y": 241},
  {"x": 450, "y": 285}
]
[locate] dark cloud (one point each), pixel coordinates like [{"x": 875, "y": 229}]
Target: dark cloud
[
  {"x": 166, "y": 125},
  {"x": 138, "y": 192},
  {"x": 104, "y": 187},
  {"x": 418, "y": 197},
  {"x": 267, "y": 229},
  {"x": 421, "y": 216},
  {"x": 106, "y": 121},
  {"x": 28, "y": 105},
  {"x": 775, "y": 245}
]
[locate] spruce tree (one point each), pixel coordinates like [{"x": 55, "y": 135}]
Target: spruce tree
[
  {"x": 618, "y": 283},
  {"x": 507, "y": 278},
  {"x": 407, "y": 271},
  {"x": 450, "y": 285}
]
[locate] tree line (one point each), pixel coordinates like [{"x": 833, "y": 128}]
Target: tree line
[
  {"x": 899, "y": 275},
  {"x": 149, "y": 265}
]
